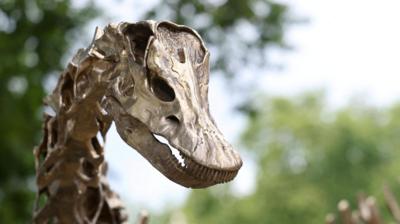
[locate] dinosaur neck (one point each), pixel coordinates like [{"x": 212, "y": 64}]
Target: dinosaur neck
[{"x": 70, "y": 166}]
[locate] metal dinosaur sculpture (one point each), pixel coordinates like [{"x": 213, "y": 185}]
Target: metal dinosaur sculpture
[
  {"x": 368, "y": 210},
  {"x": 151, "y": 79}
]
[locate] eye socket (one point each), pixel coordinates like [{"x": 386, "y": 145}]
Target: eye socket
[{"x": 162, "y": 90}]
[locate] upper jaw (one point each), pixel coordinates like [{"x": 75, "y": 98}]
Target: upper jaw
[{"x": 205, "y": 145}]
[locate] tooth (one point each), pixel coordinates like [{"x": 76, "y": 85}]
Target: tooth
[
  {"x": 209, "y": 173},
  {"x": 215, "y": 175},
  {"x": 192, "y": 167},
  {"x": 220, "y": 175},
  {"x": 206, "y": 172},
  {"x": 203, "y": 172},
  {"x": 197, "y": 169},
  {"x": 233, "y": 174},
  {"x": 226, "y": 176}
]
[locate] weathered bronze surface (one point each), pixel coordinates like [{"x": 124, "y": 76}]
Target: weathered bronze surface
[{"x": 151, "y": 79}]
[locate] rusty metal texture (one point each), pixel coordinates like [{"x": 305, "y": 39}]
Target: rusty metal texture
[{"x": 151, "y": 79}]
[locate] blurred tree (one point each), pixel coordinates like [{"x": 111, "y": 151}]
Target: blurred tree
[
  {"x": 33, "y": 39},
  {"x": 308, "y": 159}
]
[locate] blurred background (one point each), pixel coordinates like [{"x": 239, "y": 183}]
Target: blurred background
[{"x": 307, "y": 91}]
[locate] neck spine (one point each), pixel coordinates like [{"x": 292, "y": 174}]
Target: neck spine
[{"x": 70, "y": 165}]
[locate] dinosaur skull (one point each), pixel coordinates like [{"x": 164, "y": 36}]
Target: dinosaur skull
[{"x": 161, "y": 90}]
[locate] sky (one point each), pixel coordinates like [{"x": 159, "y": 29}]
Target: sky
[{"x": 349, "y": 48}]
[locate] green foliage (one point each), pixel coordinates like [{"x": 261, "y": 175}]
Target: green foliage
[
  {"x": 32, "y": 42},
  {"x": 308, "y": 159}
]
